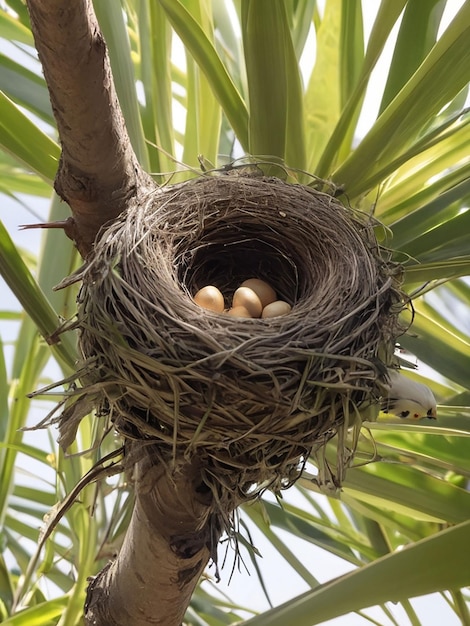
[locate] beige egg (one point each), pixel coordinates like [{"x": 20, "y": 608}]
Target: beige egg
[
  {"x": 210, "y": 298},
  {"x": 262, "y": 289},
  {"x": 276, "y": 309},
  {"x": 239, "y": 311},
  {"x": 246, "y": 297}
]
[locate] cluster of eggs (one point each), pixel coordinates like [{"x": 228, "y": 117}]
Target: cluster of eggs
[{"x": 254, "y": 298}]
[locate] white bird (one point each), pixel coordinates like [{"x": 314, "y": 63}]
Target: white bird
[{"x": 408, "y": 399}]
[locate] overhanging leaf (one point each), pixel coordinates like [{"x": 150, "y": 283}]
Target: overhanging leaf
[
  {"x": 417, "y": 102},
  {"x": 26, "y": 142},
  {"x": 443, "y": 564},
  {"x": 206, "y": 56},
  {"x": 28, "y": 292}
]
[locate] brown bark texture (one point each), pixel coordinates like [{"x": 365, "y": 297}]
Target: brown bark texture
[
  {"x": 166, "y": 548},
  {"x": 170, "y": 538},
  {"x": 98, "y": 170}
]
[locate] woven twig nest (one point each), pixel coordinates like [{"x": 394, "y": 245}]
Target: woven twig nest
[{"x": 250, "y": 397}]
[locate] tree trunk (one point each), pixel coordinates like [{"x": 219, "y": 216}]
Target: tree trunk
[
  {"x": 167, "y": 545},
  {"x": 98, "y": 170},
  {"x": 171, "y": 536}
]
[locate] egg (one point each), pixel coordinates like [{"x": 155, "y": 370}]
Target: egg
[
  {"x": 210, "y": 298},
  {"x": 239, "y": 311},
  {"x": 262, "y": 289},
  {"x": 246, "y": 297},
  {"x": 276, "y": 309}
]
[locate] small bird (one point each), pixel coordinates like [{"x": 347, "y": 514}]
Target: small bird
[{"x": 408, "y": 399}]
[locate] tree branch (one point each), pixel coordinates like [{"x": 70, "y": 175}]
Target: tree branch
[
  {"x": 171, "y": 535},
  {"x": 168, "y": 543},
  {"x": 98, "y": 170}
]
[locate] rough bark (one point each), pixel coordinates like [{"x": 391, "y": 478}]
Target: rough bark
[
  {"x": 147, "y": 584},
  {"x": 98, "y": 170},
  {"x": 170, "y": 537}
]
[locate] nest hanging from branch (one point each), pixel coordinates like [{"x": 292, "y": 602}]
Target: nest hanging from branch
[{"x": 250, "y": 398}]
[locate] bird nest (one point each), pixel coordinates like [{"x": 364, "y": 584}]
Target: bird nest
[{"x": 252, "y": 399}]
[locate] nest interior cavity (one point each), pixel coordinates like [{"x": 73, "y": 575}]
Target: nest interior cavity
[{"x": 251, "y": 398}]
